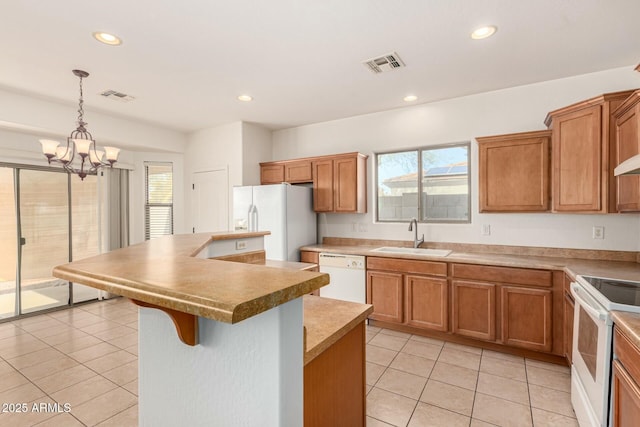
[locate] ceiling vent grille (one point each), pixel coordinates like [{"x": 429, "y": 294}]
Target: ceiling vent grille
[
  {"x": 388, "y": 62},
  {"x": 117, "y": 96}
]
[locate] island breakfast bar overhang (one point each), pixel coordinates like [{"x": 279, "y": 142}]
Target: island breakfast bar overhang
[{"x": 247, "y": 321}]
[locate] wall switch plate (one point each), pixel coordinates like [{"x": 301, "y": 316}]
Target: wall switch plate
[
  {"x": 241, "y": 244},
  {"x": 486, "y": 229},
  {"x": 598, "y": 232},
  {"x": 354, "y": 226},
  {"x": 363, "y": 227}
]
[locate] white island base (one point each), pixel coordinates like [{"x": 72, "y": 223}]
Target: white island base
[{"x": 244, "y": 374}]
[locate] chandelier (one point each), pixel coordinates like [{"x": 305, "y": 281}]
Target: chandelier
[{"x": 80, "y": 142}]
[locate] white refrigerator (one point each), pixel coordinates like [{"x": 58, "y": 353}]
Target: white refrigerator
[{"x": 283, "y": 209}]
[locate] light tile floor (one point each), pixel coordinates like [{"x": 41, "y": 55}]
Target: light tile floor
[
  {"x": 416, "y": 381},
  {"x": 87, "y": 357}
]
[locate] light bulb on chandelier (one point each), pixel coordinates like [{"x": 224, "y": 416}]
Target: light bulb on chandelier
[{"x": 80, "y": 142}]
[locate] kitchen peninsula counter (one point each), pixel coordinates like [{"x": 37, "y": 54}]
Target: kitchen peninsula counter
[
  {"x": 238, "y": 357},
  {"x": 169, "y": 272}
]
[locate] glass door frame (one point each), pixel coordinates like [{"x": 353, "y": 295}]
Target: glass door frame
[{"x": 20, "y": 241}]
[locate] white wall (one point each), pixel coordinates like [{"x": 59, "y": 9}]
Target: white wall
[
  {"x": 256, "y": 147},
  {"x": 45, "y": 118},
  {"x": 462, "y": 119},
  {"x": 210, "y": 149}
]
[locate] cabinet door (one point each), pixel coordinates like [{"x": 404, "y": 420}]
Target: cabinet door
[
  {"x": 568, "y": 327},
  {"x": 345, "y": 184},
  {"x": 271, "y": 174},
  {"x": 626, "y": 398},
  {"x": 427, "y": 302},
  {"x": 628, "y": 141},
  {"x": 323, "y": 185},
  {"x": 526, "y": 318},
  {"x": 474, "y": 309},
  {"x": 577, "y": 161},
  {"x": 297, "y": 172},
  {"x": 514, "y": 172},
  {"x": 384, "y": 291}
]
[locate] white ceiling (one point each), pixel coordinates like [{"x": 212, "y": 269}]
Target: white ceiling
[{"x": 186, "y": 61}]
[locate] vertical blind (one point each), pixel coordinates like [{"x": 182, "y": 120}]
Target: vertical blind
[{"x": 158, "y": 209}]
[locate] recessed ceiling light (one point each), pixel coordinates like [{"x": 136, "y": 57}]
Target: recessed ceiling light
[
  {"x": 245, "y": 98},
  {"x": 107, "y": 38},
  {"x": 410, "y": 98},
  {"x": 484, "y": 32}
]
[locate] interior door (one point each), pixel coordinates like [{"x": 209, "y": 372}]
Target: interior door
[{"x": 210, "y": 201}]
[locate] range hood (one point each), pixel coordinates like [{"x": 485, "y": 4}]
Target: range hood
[{"x": 631, "y": 166}]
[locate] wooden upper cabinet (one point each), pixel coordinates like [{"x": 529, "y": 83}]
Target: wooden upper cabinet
[
  {"x": 583, "y": 155},
  {"x": 339, "y": 183},
  {"x": 323, "y": 185},
  {"x": 627, "y": 126},
  {"x": 526, "y": 318},
  {"x": 514, "y": 172},
  {"x": 271, "y": 173},
  {"x": 298, "y": 172}
]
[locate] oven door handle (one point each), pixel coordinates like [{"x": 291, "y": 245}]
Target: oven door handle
[{"x": 587, "y": 302}]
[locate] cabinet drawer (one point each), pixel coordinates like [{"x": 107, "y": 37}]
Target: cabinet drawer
[
  {"x": 627, "y": 353},
  {"x": 298, "y": 172},
  {"x": 518, "y": 276},
  {"x": 407, "y": 266}
]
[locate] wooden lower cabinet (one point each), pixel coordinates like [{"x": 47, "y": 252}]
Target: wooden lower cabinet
[
  {"x": 427, "y": 302},
  {"x": 626, "y": 398},
  {"x": 334, "y": 384},
  {"x": 474, "y": 309},
  {"x": 526, "y": 318},
  {"x": 384, "y": 291}
]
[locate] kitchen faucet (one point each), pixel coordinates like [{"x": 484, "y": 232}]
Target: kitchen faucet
[{"x": 416, "y": 242}]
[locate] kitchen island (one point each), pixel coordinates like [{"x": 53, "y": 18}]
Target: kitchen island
[{"x": 239, "y": 357}]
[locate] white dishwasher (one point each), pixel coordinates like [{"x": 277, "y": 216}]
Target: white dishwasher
[{"x": 347, "y": 277}]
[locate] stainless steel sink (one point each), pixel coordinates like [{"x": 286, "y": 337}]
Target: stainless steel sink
[{"x": 413, "y": 251}]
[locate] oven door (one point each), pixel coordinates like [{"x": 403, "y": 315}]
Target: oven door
[{"x": 592, "y": 336}]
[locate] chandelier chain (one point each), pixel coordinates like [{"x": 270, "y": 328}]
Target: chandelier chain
[{"x": 81, "y": 122}]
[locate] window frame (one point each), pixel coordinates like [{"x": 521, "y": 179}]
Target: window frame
[
  {"x": 420, "y": 150},
  {"x": 147, "y": 205}
]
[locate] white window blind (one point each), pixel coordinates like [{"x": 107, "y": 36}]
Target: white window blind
[{"x": 158, "y": 212}]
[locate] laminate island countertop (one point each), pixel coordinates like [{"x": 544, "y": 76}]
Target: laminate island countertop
[
  {"x": 171, "y": 272},
  {"x": 327, "y": 320}
]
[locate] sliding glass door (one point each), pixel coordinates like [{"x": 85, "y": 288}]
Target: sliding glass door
[
  {"x": 47, "y": 218},
  {"x": 43, "y": 198},
  {"x": 8, "y": 244}
]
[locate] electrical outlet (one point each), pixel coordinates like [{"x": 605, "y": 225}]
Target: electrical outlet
[
  {"x": 363, "y": 227},
  {"x": 598, "y": 232},
  {"x": 241, "y": 244},
  {"x": 486, "y": 229}
]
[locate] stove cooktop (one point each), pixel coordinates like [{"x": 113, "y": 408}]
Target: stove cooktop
[{"x": 618, "y": 292}]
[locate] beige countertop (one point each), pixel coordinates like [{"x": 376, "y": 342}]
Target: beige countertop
[
  {"x": 166, "y": 273},
  {"x": 623, "y": 270},
  {"x": 629, "y": 324},
  {"x": 327, "y": 320}
]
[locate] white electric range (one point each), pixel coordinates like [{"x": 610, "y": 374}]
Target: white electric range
[{"x": 595, "y": 298}]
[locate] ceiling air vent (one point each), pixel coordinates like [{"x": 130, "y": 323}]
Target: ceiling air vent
[
  {"x": 118, "y": 96},
  {"x": 384, "y": 63}
]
